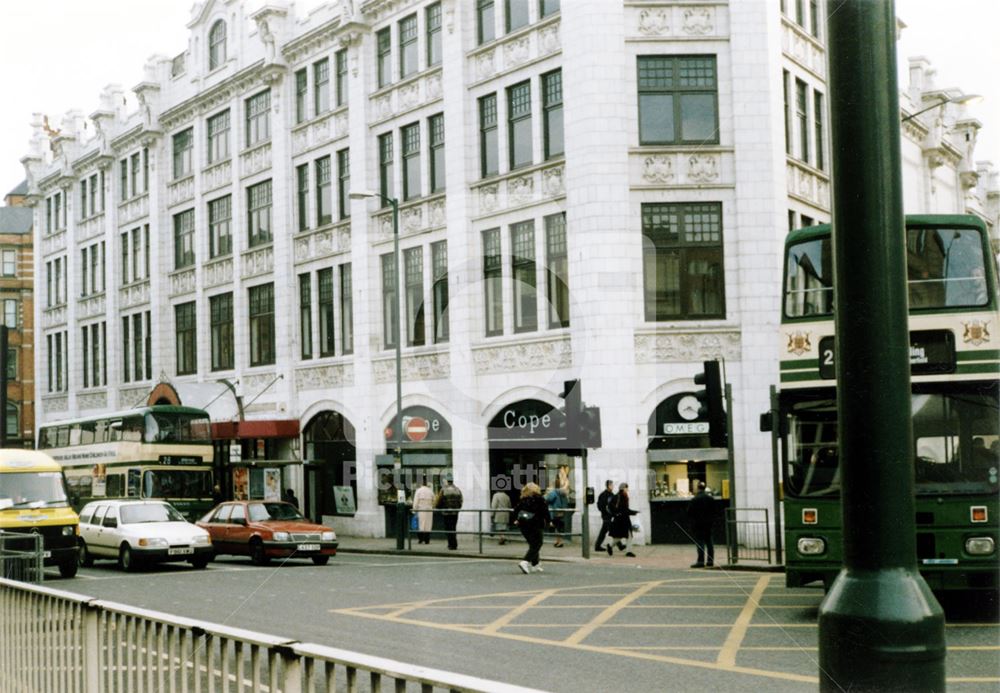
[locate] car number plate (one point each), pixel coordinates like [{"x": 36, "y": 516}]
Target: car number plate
[
  {"x": 308, "y": 547},
  {"x": 46, "y": 554},
  {"x": 180, "y": 552}
]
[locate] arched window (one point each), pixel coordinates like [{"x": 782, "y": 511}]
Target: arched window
[{"x": 217, "y": 45}]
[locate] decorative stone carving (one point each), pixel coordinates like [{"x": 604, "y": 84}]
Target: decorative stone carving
[
  {"x": 654, "y": 23},
  {"x": 703, "y": 168},
  {"x": 182, "y": 282},
  {"x": 340, "y": 124},
  {"x": 92, "y": 400},
  {"x": 218, "y": 175},
  {"x": 436, "y": 211},
  {"x": 134, "y": 295},
  {"x": 385, "y": 226},
  {"x": 488, "y": 198},
  {"x": 420, "y": 367},
  {"x": 322, "y": 130},
  {"x": 521, "y": 190},
  {"x": 133, "y": 209},
  {"x": 257, "y": 262},
  {"x": 698, "y": 21},
  {"x": 552, "y": 182},
  {"x": 219, "y": 272},
  {"x": 434, "y": 86},
  {"x": 132, "y": 397},
  {"x": 517, "y": 52},
  {"x": 54, "y": 243},
  {"x": 686, "y": 347},
  {"x": 254, "y": 385},
  {"x": 54, "y": 316},
  {"x": 548, "y": 39},
  {"x": 409, "y": 96},
  {"x": 180, "y": 191},
  {"x": 57, "y": 403},
  {"x": 255, "y": 160},
  {"x": 91, "y": 307},
  {"x": 658, "y": 169},
  {"x": 383, "y": 106},
  {"x": 91, "y": 227},
  {"x": 412, "y": 219},
  {"x": 531, "y": 356},
  {"x": 324, "y": 377},
  {"x": 486, "y": 65},
  {"x": 300, "y": 140}
]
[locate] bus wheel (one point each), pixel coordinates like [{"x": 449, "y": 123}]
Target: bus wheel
[
  {"x": 257, "y": 554},
  {"x": 126, "y": 561},
  {"x": 67, "y": 569},
  {"x": 321, "y": 560},
  {"x": 86, "y": 560}
]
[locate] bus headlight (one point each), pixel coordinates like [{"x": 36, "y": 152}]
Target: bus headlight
[
  {"x": 281, "y": 536},
  {"x": 153, "y": 541},
  {"x": 329, "y": 536},
  {"x": 69, "y": 530},
  {"x": 811, "y": 546},
  {"x": 979, "y": 546}
]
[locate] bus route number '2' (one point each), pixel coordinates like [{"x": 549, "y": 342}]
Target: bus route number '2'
[{"x": 931, "y": 351}]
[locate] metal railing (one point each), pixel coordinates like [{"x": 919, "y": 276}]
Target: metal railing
[
  {"x": 22, "y": 556},
  {"x": 750, "y": 534},
  {"x": 484, "y": 526},
  {"x": 59, "y": 641}
]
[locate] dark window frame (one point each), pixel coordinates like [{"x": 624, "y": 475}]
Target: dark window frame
[{"x": 676, "y": 77}]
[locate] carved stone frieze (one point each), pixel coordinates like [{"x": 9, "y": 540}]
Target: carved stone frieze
[
  {"x": 553, "y": 182},
  {"x": 548, "y": 39},
  {"x": 699, "y": 21},
  {"x": 703, "y": 168},
  {"x": 383, "y": 107},
  {"x": 687, "y": 346},
  {"x": 418, "y": 367},
  {"x": 134, "y": 294},
  {"x": 322, "y": 243},
  {"x": 318, "y": 132},
  {"x": 486, "y": 65},
  {"x": 182, "y": 282},
  {"x": 434, "y": 86},
  {"x": 654, "y": 22},
  {"x": 132, "y": 397},
  {"x": 258, "y": 262},
  {"x": 218, "y": 175},
  {"x": 408, "y": 96},
  {"x": 412, "y": 219},
  {"x": 254, "y": 385},
  {"x": 92, "y": 400},
  {"x": 516, "y": 52},
  {"x": 54, "y": 243},
  {"x": 136, "y": 208},
  {"x": 488, "y": 198},
  {"x": 180, "y": 191},
  {"x": 54, "y": 316},
  {"x": 658, "y": 170},
  {"x": 90, "y": 228},
  {"x": 219, "y": 272},
  {"x": 56, "y": 403},
  {"x": 91, "y": 307},
  {"x": 437, "y": 213},
  {"x": 255, "y": 160},
  {"x": 530, "y": 356},
  {"x": 324, "y": 377},
  {"x": 521, "y": 190}
]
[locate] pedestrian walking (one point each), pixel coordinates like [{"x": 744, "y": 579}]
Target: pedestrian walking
[
  {"x": 531, "y": 515},
  {"x": 290, "y": 498},
  {"x": 701, "y": 513},
  {"x": 602, "y": 507},
  {"x": 449, "y": 499},
  {"x": 557, "y": 501},
  {"x": 500, "y": 504},
  {"x": 423, "y": 506},
  {"x": 621, "y": 522}
]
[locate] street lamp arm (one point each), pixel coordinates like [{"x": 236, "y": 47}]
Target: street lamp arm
[{"x": 965, "y": 98}]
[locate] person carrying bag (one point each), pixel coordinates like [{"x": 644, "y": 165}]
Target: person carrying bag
[{"x": 531, "y": 515}]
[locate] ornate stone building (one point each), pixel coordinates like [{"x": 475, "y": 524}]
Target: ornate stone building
[{"x": 597, "y": 190}]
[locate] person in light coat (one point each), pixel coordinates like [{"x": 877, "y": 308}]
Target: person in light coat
[
  {"x": 500, "y": 504},
  {"x": 423, "y": 504}
]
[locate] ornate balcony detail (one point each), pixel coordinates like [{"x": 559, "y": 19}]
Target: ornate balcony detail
[
  {"x": 182, "y": 282},
  {"x": 218, "y": 272},
  {"x": 88, "y": 228},
  {"x": 803, "y": 48},
  {"x": 217, "y": 175},
  {"x": 91, "y": 307},
  {"x": 51, "y": 317},
  {"x": 807, "y": 183},
  {"x": 678, "y": 347},
  {"x": 255, "y": 160},
  {"x": 436, "y": 366},
  {"x": 131, "y": 210},
  {"x": 538, "y": 354},
  {"x": 92, "y": 400},
  {"x": 657, "y": 21},
  {"x": 324, "y": 377},
  {"x": 657, "y": 167},
  {"x": 55, "y": 403},
  {"x": 414, "y": 217},
  {"x": 133, "y": 295},
  {"x": 54, "y": 243},
  {"x": 320, "y": 244},
  {"x": 257, "y": 262},
  {"x": 520, "y": 188},
  {"x": 319, "y": 131},
  {"x": 413, "y": 92},
  {"x": 515, "y": 50},
  {"x": 180, "y": 191}
]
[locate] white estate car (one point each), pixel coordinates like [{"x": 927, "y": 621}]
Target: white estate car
[{"x": 139, "y": 531}]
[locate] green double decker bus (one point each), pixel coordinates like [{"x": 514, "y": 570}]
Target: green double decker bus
[{"x": 955, "y": 370}]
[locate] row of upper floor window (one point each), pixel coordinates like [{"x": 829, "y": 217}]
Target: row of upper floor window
[{"x": 808, "y": 14}]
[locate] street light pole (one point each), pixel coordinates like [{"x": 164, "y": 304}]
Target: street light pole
[
  {"x": 965, "y": 98},
  {"x": 397, "y": 457}
]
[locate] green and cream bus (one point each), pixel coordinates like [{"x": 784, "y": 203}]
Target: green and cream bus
[
  {"x": 162, "y": 452},
  {"x": 955, "y": 365}
]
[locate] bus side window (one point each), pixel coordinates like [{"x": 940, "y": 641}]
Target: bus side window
[
  {"x": 133, "y": 483},
  {"x": 87, "y": 433},
  {"x": 115, "y": 486}
]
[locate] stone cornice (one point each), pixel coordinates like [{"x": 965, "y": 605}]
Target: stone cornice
[
  {"x": 312, "y": 42},
  {"x": 128, "y": 139},
  {"x": 216, "y": 96}
]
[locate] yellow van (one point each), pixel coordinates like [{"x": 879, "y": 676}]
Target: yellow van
[{"x": 33, "y": 499}]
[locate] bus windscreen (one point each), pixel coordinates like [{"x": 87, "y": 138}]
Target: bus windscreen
[{"x": 177, "y": 427}]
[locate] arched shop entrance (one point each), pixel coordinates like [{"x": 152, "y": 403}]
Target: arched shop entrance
[
  {"x": 331, "y": 479},
  {"x": 679, "y": 456},
  {"x": 425, "y": 444},
  {"x": 525, "y": 440}
]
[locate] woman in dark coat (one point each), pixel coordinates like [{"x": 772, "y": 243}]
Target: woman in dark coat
[
  {"x": 531, "y": 515},
  {"x": 620, "y": 530}
]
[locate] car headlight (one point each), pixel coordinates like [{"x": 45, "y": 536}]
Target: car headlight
[
  {"x": 980, "y": 546},
  {"x": 811, "y": 546},
  {"x": 281, "y": 536},
  {"x": 68, "y": 530},
  {"x": 329, "y": 536},
  {"x": 153, "y": 541},
  {"x": 201, "y": 540}
]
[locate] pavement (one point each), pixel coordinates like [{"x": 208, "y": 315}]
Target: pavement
[{"x": 659, "y": 556}]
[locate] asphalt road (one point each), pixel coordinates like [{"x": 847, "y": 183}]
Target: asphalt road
[{"x": 575, "y": 627}]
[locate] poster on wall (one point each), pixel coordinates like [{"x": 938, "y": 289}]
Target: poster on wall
[
  {"x": 343, "y": 498},
  {"x": 241, "y": 483},
  {"x": 272, "y": 484}
]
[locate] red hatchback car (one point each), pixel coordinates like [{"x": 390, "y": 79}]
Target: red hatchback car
[{"x": 267, "y": 529}]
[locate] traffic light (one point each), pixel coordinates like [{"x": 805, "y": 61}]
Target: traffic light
[
  {"x": 590, "y": 427},
  {"x": 711, "y": 403},
  {"x": 572, "y": 410}
]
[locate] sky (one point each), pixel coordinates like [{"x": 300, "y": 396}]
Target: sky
[{"x": 57, "y": 55}]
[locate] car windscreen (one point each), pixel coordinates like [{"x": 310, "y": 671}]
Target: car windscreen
[
  {"x": 263, "y": 512},
  {"x": 149, "y": 512},
  {"x": 32, "y": 489}
]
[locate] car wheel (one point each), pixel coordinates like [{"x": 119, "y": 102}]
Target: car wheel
[
  {"x": 86, "y": 560},
  {"x": 126, "y": 561},
  {"x": 257, "y": 555},
  {"x": 67, "y": 569},
  {"x": 201, "y": 562},
  {"x": 321, "y": 560}
]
